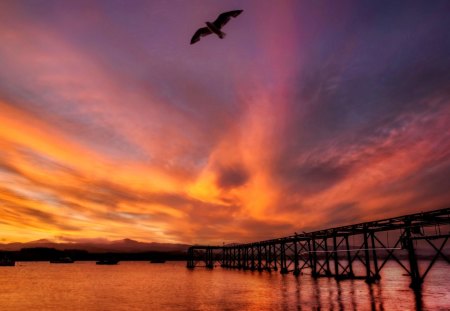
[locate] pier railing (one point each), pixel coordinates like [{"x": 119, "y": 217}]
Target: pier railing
[{"x": 334, "y": 252}]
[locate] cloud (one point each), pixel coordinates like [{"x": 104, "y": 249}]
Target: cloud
[
  {"x": 232, "y": 177},
  {"x": 112, "y": 125}
]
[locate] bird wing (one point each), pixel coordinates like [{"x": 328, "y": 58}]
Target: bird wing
[
  {"x": 225, "y": 17},
  {"x": 200, "y": 33}
]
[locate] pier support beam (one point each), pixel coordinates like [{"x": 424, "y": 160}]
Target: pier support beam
[
  {"x": 310, "y": 250},
  {"x": 374, "y": 257},
  {"x": 327, "y": 257},
  {"x": 349, "y": 258},
  {"x": 283, "y": 264},
  {"x": 260, "y": 268},
  {"x": 209, "y": 260},
  {"x": 190, "y": 261},
  {"x": 275, "y": 258},
  {"x": 369, "y": 278},
  {"x": 335, "y": 257},
  {"x": 416, "y": 280},
  {"x": 314, "y": 259},
  {"x": 296, "y": 263}
]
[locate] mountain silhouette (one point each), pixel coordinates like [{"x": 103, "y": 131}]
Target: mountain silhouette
[{"x": 122, "y": 246}]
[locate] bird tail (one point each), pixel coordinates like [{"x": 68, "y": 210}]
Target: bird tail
[{"x": 222, "y": 35}]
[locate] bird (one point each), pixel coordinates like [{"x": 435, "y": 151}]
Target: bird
[{"x": 215, "y": 27}]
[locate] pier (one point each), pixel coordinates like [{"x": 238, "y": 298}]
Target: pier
[{"x": 334, "y": 252}]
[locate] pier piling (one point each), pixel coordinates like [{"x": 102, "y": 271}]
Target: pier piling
[{"x": 311, "y": 252}]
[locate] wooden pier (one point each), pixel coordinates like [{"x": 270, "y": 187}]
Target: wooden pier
[{"x": 334, "y": 252}]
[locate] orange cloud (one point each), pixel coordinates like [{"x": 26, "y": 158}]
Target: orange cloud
[{"x": 109, "y": 131}]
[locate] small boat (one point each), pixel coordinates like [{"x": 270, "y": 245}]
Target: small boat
[
  {"x": 7, "y": 262},
  {"x": 62, "y": 260},
  {"x": 107, "y": 262},
  {"x": 157, "y": 261}
]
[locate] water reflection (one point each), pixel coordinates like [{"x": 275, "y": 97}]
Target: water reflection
[
  {"x": 372, "y": 298},
  {"x": 317, "y": 293},
  {"x": 352, "y": 294},
  {"x": 325, "y": 293},
  {"x": 331, "y": 289},
  {"x": 140, "y": 286},
  {"x": 339, "y": 296},
  {"x": 298, "y": 296},
  {"x": 285, "y": 291},
  {"x": 376, "y": 297},
  {"x": 418, "y": 299}
]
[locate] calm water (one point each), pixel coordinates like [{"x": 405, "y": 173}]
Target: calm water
[{"x": 170, "y": 286}]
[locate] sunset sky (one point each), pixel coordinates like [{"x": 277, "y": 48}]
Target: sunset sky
[{"x": 309, "y": 114}]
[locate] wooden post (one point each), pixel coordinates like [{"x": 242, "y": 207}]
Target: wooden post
[
  {"x": 335, "y": 257},
  {"x": 374, "y": 257},
  {"x": 314, "y": 259},
  {"x": 296, "y": 265},
  {"x": 416, "y": 280},
  {"x": 283, "y": 264},
  {"x": 349, "y": 259},
  {"x": 369, "y": 278}
]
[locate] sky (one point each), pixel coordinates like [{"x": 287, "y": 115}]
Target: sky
[{"x": 307, "y": 115}]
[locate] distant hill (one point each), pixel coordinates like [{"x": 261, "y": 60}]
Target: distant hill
[{"x": 119, "y": 246}]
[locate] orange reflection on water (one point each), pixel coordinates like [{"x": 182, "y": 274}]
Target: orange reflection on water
[{"x": 140, "y": 286}]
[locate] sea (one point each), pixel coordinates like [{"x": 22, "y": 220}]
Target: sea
[{"x": 171, "y": 286}]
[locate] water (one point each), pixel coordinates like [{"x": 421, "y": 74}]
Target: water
[{"x": 170, "y": 286}]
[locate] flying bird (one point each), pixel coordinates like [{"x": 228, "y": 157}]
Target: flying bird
[{"x": 216, "y": 26}]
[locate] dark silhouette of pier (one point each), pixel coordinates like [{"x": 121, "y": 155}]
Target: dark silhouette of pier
[{"x": 334, "y": 252}]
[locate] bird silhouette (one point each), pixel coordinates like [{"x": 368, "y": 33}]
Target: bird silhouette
[{"x": 216, "y": 26}]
